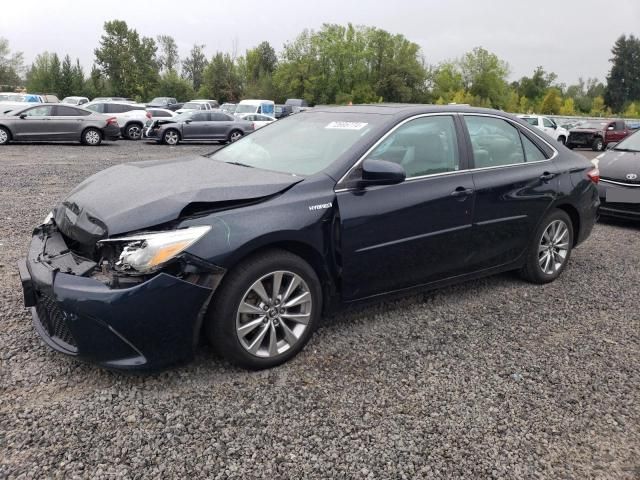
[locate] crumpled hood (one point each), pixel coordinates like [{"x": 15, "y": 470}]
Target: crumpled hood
[
  {"x": 616, "y": 165},
  {"x": 586, "y": 130},
  {"x": 134, "y": 196}
]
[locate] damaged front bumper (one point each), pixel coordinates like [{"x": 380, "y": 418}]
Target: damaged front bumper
[{"x": 150, "y": 325}]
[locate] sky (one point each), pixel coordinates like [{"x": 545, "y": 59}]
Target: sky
[{"x": 572, "y": 38}]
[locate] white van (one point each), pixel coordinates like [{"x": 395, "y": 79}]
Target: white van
[{"x": 264, "y": 107}]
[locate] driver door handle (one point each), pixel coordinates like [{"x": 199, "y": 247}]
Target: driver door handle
[
  {"x": 546, "y": 176},
  {"x": 462, "y": 192}
]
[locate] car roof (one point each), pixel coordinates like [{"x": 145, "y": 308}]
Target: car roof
[{"x": 404, "y": 108}]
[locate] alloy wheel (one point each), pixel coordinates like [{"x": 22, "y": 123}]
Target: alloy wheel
[
  {"x": 92, "y": 137},
  {"x": 134, "y": 132},
  {"x": 273, "y": 314},
  {"x": 554, "y": 247},
  {"x": 171, "y": 137},
  {"x": 4, "y": 136},
  {"x": 235, "y": 136}
]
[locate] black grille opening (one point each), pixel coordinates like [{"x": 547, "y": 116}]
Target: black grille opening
[{"x": 52, "y": 320}]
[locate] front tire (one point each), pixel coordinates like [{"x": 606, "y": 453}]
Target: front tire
[
  {"x": 597, "y": 145},
  {"x": 92, "y": 137},
  {"x": 265, "y": 311},
  {"x": 562, "y": 140},
  {"x": 171, "y": 137},
  {"x": 5, "y": 136},
  {"x": 550, "y": 249}
]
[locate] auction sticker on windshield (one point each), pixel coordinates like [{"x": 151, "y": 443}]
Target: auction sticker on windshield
[{"x": 347, "y": 125}]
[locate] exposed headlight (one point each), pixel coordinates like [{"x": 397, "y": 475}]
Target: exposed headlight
[
  {"x": 48, "y": 218},
  {"x": 146, "y": 252}
]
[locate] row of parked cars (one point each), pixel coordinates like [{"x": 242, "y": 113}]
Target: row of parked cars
[{"x": 163, "y": 119}]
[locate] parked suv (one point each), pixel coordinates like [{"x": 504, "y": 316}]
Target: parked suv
[
  {"x": 168, "y": 103},
  {"x": 597, "y": 134},
  {"x": 548, "y": 126},
  {"x": 131, "y": 116}
]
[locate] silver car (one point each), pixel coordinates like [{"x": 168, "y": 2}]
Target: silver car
[
  {"x": 209, "y": 125},
  {"x": 48, "y": 122}
]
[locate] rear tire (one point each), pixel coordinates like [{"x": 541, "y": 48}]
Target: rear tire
[
  {"x": 234, "y": 136},
  {"x": 92, "y": 137},
  {"x": 257, "y": 332},
  {"x": 562, "y": 139},
  {"x": 133, "y": 131},
  {"x": 550, "y": 249},
  {"x": 570, "y": 146},
  {"x": 5, "y": 136}
]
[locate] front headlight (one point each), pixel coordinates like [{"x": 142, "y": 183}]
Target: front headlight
[{"x": 146, "y": 252}]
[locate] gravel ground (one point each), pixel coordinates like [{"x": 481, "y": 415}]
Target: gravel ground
[{"x": 495, "y": 378}]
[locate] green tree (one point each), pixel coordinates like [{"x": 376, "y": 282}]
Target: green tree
[
  {"x": 78, "y": 79},
  {"x": 568, "y": 107},
  {"x": 172, "y": 85},
  {"x": 127, "y": 60},
  {"x": 597, "y": 107},
  {"x": 632, "y": 111},
  {"x": 485, "y": 76},
  {"x": 535, "y": 88},
  {"x": 44, "y": 75},
  {"x": 168, "y": 57},
  {"x": 194, "y": 65},
  {"x": 65, "y": 88},
  {"x": 513, "y": 102},
  {"x": 623, "y": 81},
  {"x": 446, "y": 79},
  {"x": 220, "y": 79},
  {"x": 551, "y": 103},
  {"x": 11, "y": 65}
]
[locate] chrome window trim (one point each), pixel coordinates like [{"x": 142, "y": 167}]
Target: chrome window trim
[
  {"x": 338, "y": 188},
  {"x": 619, "y": 183}
]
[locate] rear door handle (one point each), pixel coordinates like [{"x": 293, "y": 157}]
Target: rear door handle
[
  {"x": 462, "y": 192},
  {"x": 546, "y": 176}
]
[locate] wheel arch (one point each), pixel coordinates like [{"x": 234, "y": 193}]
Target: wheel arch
[
  {"x": 8, "y": 130},
  {"x": 575, "y": 219}
]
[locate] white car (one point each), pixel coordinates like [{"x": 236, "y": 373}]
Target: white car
[
  {"x": 130, "y": 116},
  {"x": 548, "y": 126},
  {"x": 258, "y": 120},
  {"x": 75, "y": 100},
  {"x": 194, "y": 105}
]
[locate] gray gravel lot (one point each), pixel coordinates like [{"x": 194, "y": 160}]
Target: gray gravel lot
[{"x": 495, "y": 378}]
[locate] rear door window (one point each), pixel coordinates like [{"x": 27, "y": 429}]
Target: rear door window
[{"x": 494, "y": 141}]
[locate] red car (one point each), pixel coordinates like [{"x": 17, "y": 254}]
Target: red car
[{"x": 597, "y": 134}]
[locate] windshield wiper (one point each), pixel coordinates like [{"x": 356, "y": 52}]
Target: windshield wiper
[
  {"x": 625, "y": 150},
  {"x": 241, "y": 164}
]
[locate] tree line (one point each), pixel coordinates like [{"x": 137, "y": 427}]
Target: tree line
[{"x": 334, "y": 65}]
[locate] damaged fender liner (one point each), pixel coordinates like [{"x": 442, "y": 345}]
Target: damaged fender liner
[{"x": 153, "y": 324}]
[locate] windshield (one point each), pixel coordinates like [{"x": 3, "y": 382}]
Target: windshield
[
  {"x": 531, "y": 121},
  {"x": 72, "y": 100},
  {"x": 301, "y": 144},
  {"x": 181, "y": 117},
  {"x": 160, "y": 100},
  {"x": 246, "y": 108},
  {"x": 597, "y": 125},
  {"x": 194, "y": 106},
  {"x": 11, "y": 98},
  {"x": 631, "y": 143}
]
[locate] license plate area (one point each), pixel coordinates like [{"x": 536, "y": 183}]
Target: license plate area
[{"x": 623, "y": 195}]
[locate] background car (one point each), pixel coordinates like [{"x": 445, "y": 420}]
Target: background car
[
  {"x": 212, "y": 103},
  {"x": 548, "y": 126},
  {"x": 75, "y": 100},
  {"x": 266, "y": 107},
  {"x": 258, "y": 120},
  {"x": 597, "y": 134},
  {"x": 619, "y": 186},
  {"x": 56, "y": 123},
  {"x": 283, "y": 111},
  {"x": 194, "y": 105},
  {"x": 297, "y": 104},
  {"x": 229, "y": 108},
  {"x": 131, "y": 116},
  {"x": 168, "y": 103},
  {"x": 203, "y": 125}
]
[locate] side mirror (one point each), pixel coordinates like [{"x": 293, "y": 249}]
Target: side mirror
[
  {"x": 23, "y": 116},
  {"x": 188, "y": 120},
  {"x": 554, "y": 126},
  {"x": 381, "y": 172}
]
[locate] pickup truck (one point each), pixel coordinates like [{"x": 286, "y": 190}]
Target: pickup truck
[
  {"x": 548, "y": 126},
  {"x": 596, "y": 134}
]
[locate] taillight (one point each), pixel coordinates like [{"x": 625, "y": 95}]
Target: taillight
[
  {"x": 594, "y": 175},
  {"x": 254, "y": 125},
  {"x": 112, "y": 121}
]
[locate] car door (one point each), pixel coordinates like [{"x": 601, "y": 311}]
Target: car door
[
  {"x": 222, "y": 125},
  {"x": 67, "y": 122},
  {"x": 414, "y": 232},
  {"x": 515, "y": 181},
  {"x": 34, "y": 124},
  {"x": 549, "y": 127},
  {"x": 196, "y": 128},
  {"x": 619, "y": 131}
]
